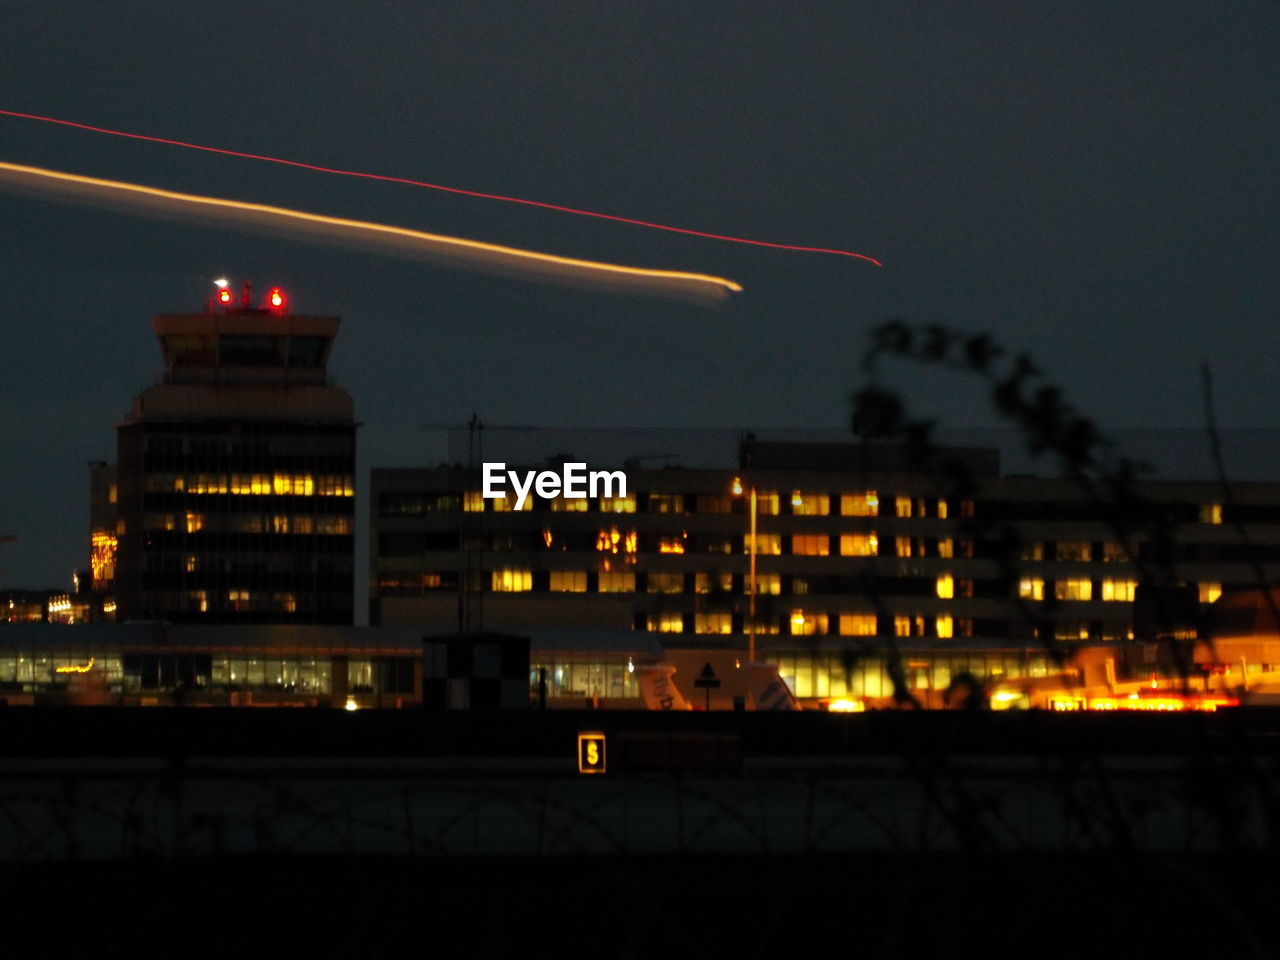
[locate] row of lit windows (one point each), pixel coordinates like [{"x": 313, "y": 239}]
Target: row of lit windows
[
  {"x": 617, "y": 541},
  {"x": 305, "y": 675},
  {"x": 946, "y": 586},
  {"x": 252, "y": 484},
  {"x": 831, "y": 675},
  {"x": 768, "y": 503},
  {"x": 248, "y": 523},
  {"x": 807, "y": 624},
  {"x": 1120, "y": 591}
]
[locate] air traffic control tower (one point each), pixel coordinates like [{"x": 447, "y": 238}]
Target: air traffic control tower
[{"x": 236, "y": 473}]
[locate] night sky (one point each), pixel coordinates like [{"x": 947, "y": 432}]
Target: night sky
[{"x": 1092, "y": 183}]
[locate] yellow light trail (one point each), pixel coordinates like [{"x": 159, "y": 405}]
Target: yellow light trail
[
  {"x": 399, "y": 241},
  {"x": 76, "y": 667}
]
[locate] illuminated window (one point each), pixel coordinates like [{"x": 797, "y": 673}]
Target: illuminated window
[
  {"x": 966, "y": 509},
  {"x": 946, "y": 546},
  {"x": 1031, "y": 588},
  {"x": 1210, "y": 591},
  {"x": 508, "y": 504},
  {"x": 859, "y": 545},
  {"x": 769, "y": 584},
  {"x": 666, "y": 622},
  {"x": 511, "y": 581},
  {"x": 615, "y": 541},
  {"x": 1115, "y": 552},
  {"x": 285, "y": 602},
  {"x": 799, "y": 586},
  {"x": 901, "y": 626},
  {"x": 1081, "y": 550},
  {"x": 473, "y": 502},
  {"x": 617, "y": 582},
  {"x": 666, "y": 503},
  {"x": 766, "y": 544},
  {"x": 942, "y": 510},
  {"x": 810, "y": 504},
  {"x": 625, "y": 504},
  {"x": 293, "y": 484},
  {"x": 574, "y": 505},
  {"x": 810, "y": 545},
  {"x": 808, "y": 624},
  {"x": 665, "y": 583},
  {"x": 1073, "y": 589},
  {"x": 713, "y": 582},
  {"x": 944, "y": 625},
  {"x": 858, "y": 624},
  {"x": 673, "y": 544},
  {"x": 902, "y": 506},
  {"x": 902, "y": 546},
  {"x": 1033, "y": 551},
  {"x": 238, "y": 600},
  {"x": 195, "y": 522},
  {"x": 713, "y": 623},
  {"x": 102, "y": 558},
  {"x": 1119, "y": 590},
  {"x": 208, "y": 483},
  {"x": 250, "y": 484},
  {"x": 946, "y": 586},
  {"x": 279, "y": 523},
  {"x": 767, "y": 503},
  {"x": 335, "y": 485},
  {"x": 1211, "y": 513},
  {"x": 568, "y": 581},
  {"x": 199, "y": 600},
  {"x": 860, "y": 504},
  {"x": 192, "y": 563}
]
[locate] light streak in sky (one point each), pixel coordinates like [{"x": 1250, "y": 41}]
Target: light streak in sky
[
  {"x": 436, "y": 186},
  {"x": 399, "y": 241}
]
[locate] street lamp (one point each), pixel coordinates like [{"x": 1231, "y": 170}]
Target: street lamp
[{"x": 751, "y": 576}]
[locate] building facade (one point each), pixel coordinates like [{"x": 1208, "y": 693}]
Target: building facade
[
  {"x": 235, "y": 477},
  {"x": 855, "y": 553}
]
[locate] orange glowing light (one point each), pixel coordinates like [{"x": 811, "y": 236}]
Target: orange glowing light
[
  {"x": 401, "y": 241},
  {"x": 76, "y": 667},
  {"x": 277, "y": 298},
  {"x": 224, "y": 296}
]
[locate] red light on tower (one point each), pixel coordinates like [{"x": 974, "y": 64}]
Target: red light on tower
[
  {"x": 276, "y": 299},
  {"x": 222, "y": 293}
]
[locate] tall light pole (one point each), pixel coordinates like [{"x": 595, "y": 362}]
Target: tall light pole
[{"x": 751, "y": 575}]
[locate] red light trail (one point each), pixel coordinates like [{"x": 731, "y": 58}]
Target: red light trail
[{"x": 446, "y": 189}]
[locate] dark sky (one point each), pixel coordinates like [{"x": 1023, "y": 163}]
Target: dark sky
[{"x": 1093, "y": 183}]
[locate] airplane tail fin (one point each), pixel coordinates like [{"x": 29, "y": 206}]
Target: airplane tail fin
[
  {"x": 658, "y": 689},
  {"x": 768, "y": 689}
]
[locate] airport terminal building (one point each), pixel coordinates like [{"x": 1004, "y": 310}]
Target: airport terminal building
[{"x": 857, "y": 550}]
